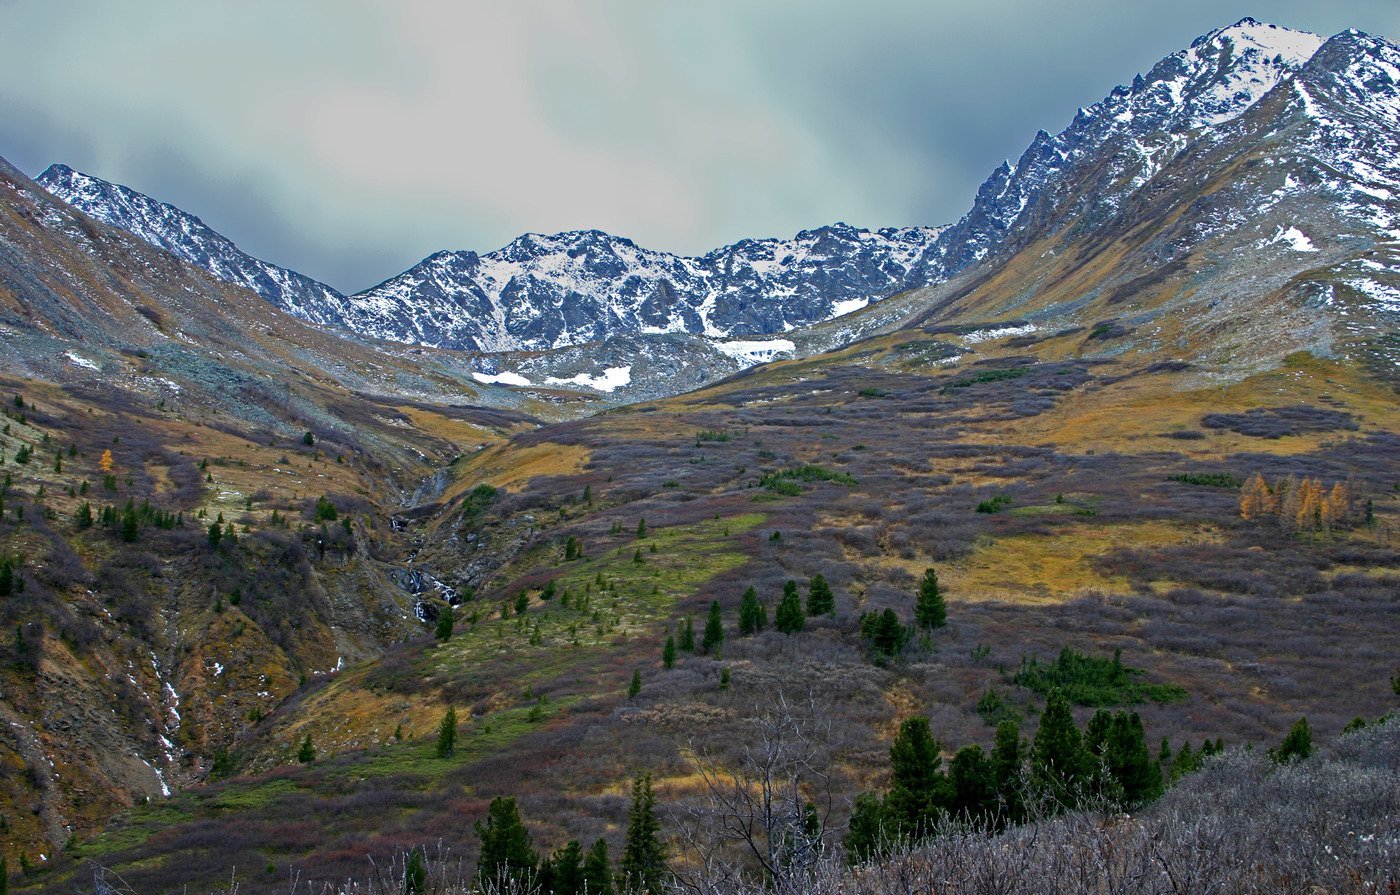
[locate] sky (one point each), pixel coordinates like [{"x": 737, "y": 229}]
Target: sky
[{"x": 348, "y": 139}]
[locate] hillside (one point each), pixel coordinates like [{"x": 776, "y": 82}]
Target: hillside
[{"x": 1141, "y": 425}]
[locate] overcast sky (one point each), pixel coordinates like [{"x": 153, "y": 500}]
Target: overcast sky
[{"x": 350, "y": 138}]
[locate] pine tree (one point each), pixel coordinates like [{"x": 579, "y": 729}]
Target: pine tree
[
  {"x": 415, "y": 873},
  {"x": 1296, "y": 746},
  {"x": 1138, "y": 777},
  {"x": 522, "y": 602},
  {"x": 930, "y": 610},
  {"x": 974, "y": 783},
  {"x": 643, "y": 865},
  {"x": 1060, "y": 765},
  {"x": 216, "y": 534},
  {"x": 752, "y": 615},
  {"x": 588, "y": 493},
  {"x": 7, "y": 579},
  {"x": 83, "y": 517},
  {"x": 668, "y": 652},
  {"x": 713, "y": 638},
  {"x": 788, "y": 617},
  {"x": 641, "y": 528},
  {"x": 307, "y": 753},
  {"x": 635, "y": 686},
  {"x": 688, "y": 636},
  {"x": 597, "y": 869},
  {"x": 885, "y": 631},
  {"x": 447, "y": 734},
  {"x": 820, "y": 599},
  {"x": 506, "y": 855},
  {"x": 919, "y": 790},
  {"x": 445, "y": 622}
]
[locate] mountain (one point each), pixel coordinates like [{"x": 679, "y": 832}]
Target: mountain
[
  {"x": 542, "y": 292},
  {"x": 187, "y": 237}
]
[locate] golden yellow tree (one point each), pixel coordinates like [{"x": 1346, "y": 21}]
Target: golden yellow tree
[
  {"x": 1255, "y": 499},
  {"x": 105, "y": 464},
  {"x": 1310, "y": 500},
  {"x": 1337, "y": 505}
]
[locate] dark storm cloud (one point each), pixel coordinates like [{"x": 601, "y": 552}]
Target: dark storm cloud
[{"x": 348, "y": 138}]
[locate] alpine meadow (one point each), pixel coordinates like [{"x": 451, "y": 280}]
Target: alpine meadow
[{"x": 1052, "y": 550}]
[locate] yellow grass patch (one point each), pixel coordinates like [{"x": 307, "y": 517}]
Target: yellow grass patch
[{"x": 506, "y": 467}]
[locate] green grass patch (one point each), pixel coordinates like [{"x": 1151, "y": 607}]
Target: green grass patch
[
  {"x": 1092, "y": 680},
  {"x": 987, "y": 376},
  {"x": 1209, "y": 479},
  {"x": 786, "y": 482},
  {"x": 131, "y": 830}
]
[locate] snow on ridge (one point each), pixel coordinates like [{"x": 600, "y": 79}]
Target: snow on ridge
[
  {"x": 752, "y": 351},
  {"x": 506, "y": 378},
  {"x": 849, "y": 306},
  {"x": 1294, "y": 238}
]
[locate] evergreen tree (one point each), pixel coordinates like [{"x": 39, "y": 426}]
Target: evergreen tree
[
  {"x": 415, "y": 873},
  {"x": 688, "y": 635},
  {"x": 447, "y": 734},
  {"x": 866, "y": 837},
  {"x": 567, "y": 867},
  {"x": 788, "y": 617},
  {"x": 885, "y": 631},
  {"x": 83, "y": 517},
  {"x": 930, "y": 610},
  {"x": 643, "y": 866},
  {"x": 522, "y": 602},
  {"x": 1296, "y": 746},
  {"x": 1138, "y": 777},
  {"x": 588, "y": 493},
  {"x": 635, "y": 686},
  {"x": 820, "y": 599},
  {"x": 1008, "y": 755},
  {"x": 506, "y": 855},
  {"x": 597, "y": 869},
  {"x": 445, "y": 622},
  {"x": 752, "y": 616},
  {"x": 4, "y": 876},
  {"x": 7, "y": 579},
  {"x": 307, "y": 753},
  {"x": 131, "y": 526},
  {"x": 919, "y": 790},
  {"x": 668, "y": 652},
  {"x": 974, "y": 783},
  {"x": 641, "y": 528},
  {"x": 216, "y": 534},
  {"x": 713, "y": 637},
  {"x": 1060, "y": 764}
]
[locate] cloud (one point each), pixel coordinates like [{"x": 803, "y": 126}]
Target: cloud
[{"x": 348, "y": 138}]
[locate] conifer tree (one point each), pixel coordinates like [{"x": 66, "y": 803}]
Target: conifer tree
[
  {"x": 415, "y": 873},
  {"x": 307, "y": 753},
  {"x": 643, "y": 866},
  {"x": 820, "y": 599},
  {"x": 713, "y": 638},
  {"x": 635, "y": 686},
  {"x": 1296, "y": 746},
  {"x": 919, "y": 790},
  {"x": 83, "y": 517},
  {"x": 930, "y": 610},
  {"x": 1008, "y": 755},
  {"x": 752, "y": 616},
  {"x": 974, "y": 783},
  {"x": 641, "y": 528},
  {"x": 588, "y": 493},
  {"x": 567, "y": 870},
  {"x": 868, "y": 830},
  {"x": 522, "y": 602},
  {"x": 668, "y": 652},
  {"x": 788, "y": 617},
  {"x": 447, "y": 734},
  {"x": 1060, "y": 764},
  {"x": 597, "y": 869},
  {"x": 506, "y": 855},
  {"x": 445, "y": 622},
  {"x": 216, "y": 534},
  {"x": 688, "y": 635},
  {"x": 1138, "y": 777}
]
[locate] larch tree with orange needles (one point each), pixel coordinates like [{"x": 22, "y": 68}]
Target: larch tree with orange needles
[{"x": 105, "y": 464}]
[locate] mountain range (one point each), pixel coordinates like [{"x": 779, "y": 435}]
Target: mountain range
[{"x": 577, "y": 448}]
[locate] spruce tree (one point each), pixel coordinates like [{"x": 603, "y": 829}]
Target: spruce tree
[
  {"x": 1061, "y": 766},
  {"x": 447, "y": 734},
  {"x": 752, "y": 615},
  {"x": 597, "y": 869},
  {"x": 307, "y": 753},
  {"x": 445, "y": 622},
  {"x": 415, "y": 873},
  {"x": 788, "y": 617},
  {"x": 643, "y": 866},
  {"x": 868, "y": 831},
  {"x": 568, "y": 870},
  {"x": 1137, "y": 776},
  {"x": 820, "y": 599},
  {"x": 668, "y": 652},
  {"x": 688, "y": 635},
  {"x": 506, "y": 856},
  {"x": 713, "y": 637},
  {"x": 635, "y": 686},
  {"x": 641, "y": 528},
  {"x": 919, "y": 790},
  {"x": 1296, "y": 746},
  {"x": 1008, "y": 755},
  {"x": 974, "y": 783},
  {"x": 930, "y": 610}
]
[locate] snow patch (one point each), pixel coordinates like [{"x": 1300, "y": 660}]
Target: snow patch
[
  {"x": 849, "y": 306},
  {"x": 506, "y": 378},
  {"x": 1296, "y": 239},
  {"x": 79, "y": 361},
  {"x": 755, "y": 352},
  {"x": 987, "y": 335},
  {"x": 609, "y": 380}
]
